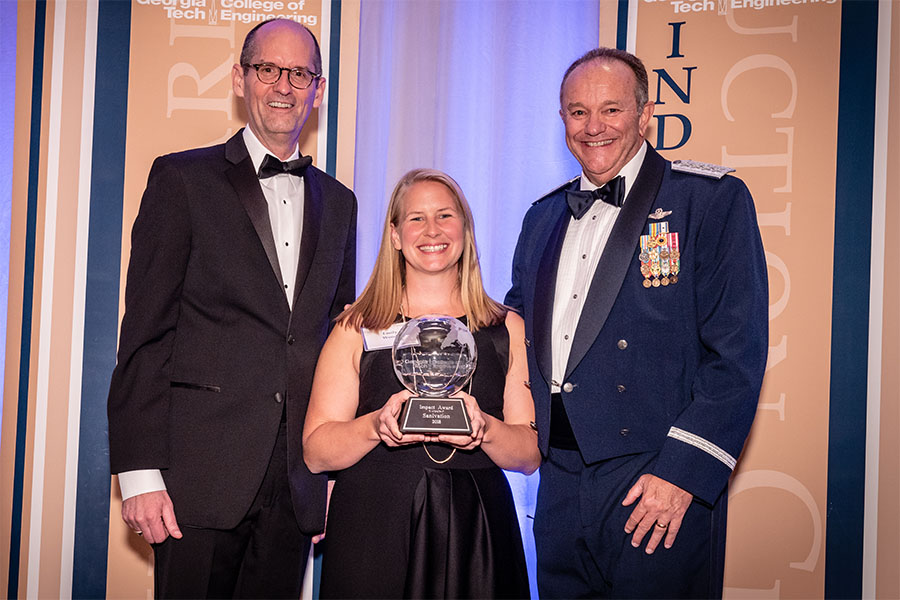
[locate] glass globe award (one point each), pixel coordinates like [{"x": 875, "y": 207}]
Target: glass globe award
[{"x": 434, "y": 356}]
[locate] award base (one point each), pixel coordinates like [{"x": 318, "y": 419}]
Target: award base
[{"x": 435, "y": 416}]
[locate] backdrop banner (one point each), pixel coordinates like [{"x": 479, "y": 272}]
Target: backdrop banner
[{"x": 753, "y": 85}]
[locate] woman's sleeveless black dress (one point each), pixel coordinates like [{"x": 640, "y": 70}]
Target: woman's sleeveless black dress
[{"x": 403, "y": 526}]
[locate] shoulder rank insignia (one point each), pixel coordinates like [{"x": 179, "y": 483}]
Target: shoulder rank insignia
[
  {"x": 660, "y": 256},
  {"x": 555, "y": 190},
  {"x": 701, "y": 168}
]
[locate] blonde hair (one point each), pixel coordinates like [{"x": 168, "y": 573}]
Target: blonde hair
[{"x": 379, "y": 304}]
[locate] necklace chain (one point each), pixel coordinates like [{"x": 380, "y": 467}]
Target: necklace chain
[{"x": 433, "y": 459}]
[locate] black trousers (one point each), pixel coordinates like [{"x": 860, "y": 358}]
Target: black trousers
[
  {"x": 584, "y": 552},
  {"x": 263, "y": 557}
]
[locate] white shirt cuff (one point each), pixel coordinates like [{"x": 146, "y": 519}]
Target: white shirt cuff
[{"x": 141, "y": 481}]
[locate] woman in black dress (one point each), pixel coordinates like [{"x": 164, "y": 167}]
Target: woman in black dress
[{"x": 412, "y": 515}]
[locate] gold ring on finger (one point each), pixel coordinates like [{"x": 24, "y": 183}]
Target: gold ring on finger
[{"x": 661, "y": 526}]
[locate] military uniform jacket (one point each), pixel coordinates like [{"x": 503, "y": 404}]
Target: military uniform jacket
[{"x": 674, "y": 369}]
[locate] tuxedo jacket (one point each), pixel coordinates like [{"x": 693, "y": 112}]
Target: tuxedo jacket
[
  {"x": 210, "y": 353},
  {"x": 674, "y": 369}
]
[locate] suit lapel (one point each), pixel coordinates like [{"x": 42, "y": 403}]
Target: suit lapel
[
  {"x": 245, "y": 182},
  {"x": 313, "y": 205},
  {"x": 617, "y": 256},
  {"x": 545, "y": 289}
]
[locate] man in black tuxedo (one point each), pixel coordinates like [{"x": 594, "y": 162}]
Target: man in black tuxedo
[{"x": 239, "y": 262}]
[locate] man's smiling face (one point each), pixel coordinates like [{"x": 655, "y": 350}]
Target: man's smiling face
[
  {"x": 277, "y": 111},
  {"x": 604, "y": 125}
]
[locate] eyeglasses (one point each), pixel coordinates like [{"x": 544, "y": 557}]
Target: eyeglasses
[{"x": 298, "y": 77}]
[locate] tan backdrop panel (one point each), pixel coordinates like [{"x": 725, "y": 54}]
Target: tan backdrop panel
[
  {"x": 349, "y": 66},
  {"x": 756, "y": 89},
  {"x": 888, "y": 548}
]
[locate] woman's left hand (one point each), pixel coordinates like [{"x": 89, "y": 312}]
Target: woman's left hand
[{"x": 476, "y": 419}]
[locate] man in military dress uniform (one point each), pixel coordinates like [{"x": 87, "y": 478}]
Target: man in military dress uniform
[{"x": 646, "y": 318}]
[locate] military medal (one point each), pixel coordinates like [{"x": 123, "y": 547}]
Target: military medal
[
  {"x": 660, "y": 255},
  {"x": 674, "y": 257},
  {"x": 644, "y": 257},
  {"x": 663, "y": 243}
]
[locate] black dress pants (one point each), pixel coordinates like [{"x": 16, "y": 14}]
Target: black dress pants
[{"x": 263, "y": 557}]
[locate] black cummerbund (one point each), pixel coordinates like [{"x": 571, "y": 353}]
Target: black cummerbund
[{"x": 561, "y": 435}]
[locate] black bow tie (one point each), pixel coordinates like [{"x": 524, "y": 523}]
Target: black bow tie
[
  {"x": 271, "y": 166},
  {"x": 612, "y": 193}
]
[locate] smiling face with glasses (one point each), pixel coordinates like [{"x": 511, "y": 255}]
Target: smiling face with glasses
[{"x": 278, "y": 105}]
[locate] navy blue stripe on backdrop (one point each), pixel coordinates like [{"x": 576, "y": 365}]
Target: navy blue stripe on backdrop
[
  {"x": 622, "y": 25},
  {"x": 101, "y": 297},
  {"x": 34, "y": 155},
  {"x": 334, "y": 72},
  {"x": 850, "y": 300}
]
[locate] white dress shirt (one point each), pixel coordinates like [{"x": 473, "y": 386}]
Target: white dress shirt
[
  {"x": 582, "y": 247},
  {"x": 284, "y": 197}
]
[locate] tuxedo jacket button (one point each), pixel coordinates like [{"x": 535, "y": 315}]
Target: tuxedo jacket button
[
  {"x": 620, "y": 388},
  {"x": 279, "y": 398},
  {"x": 622, "y": 344},
  {"x": 568, "y": 387},
  {"x": 290, "y": 340},
  {"x": 624, "y": 432}
]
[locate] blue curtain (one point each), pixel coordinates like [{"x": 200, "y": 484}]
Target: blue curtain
[
  {"x": 471, "y": 88},
  {"x": 8, "y": 12}
]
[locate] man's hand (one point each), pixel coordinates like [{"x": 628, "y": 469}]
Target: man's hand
[
  {"x": 661, "y": 510},
  {"x": 151, "y": 515}
]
